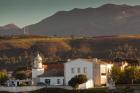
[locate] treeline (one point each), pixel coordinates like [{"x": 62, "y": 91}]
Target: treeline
[
  {"x": 22, "y": 36},
  {"x": 13, "y": 62}
]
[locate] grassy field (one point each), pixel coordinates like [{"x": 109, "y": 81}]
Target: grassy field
[
  {"x": 120, "y": 89},
  {"x": 57, "y": 90},
  {"x": 125, "y": 88}
]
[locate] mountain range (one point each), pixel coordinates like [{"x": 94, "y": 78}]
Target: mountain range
[{"x": 109, "y": 19}]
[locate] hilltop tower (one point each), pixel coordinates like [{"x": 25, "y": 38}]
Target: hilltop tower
[{"x": 37, "y": 68}]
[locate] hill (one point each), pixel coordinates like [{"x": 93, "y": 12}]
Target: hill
[
  {"x": 108, "y": 19},
  {"x": 21, "y": 50},
  {"x": 10, "y": 29}
]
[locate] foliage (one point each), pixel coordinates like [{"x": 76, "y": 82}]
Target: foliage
[
  {"x": 77, "y": 80},
  {"x": 129, "y": 75},
  {"x": 3, "y": 77},
  {"x": 132, "y": 74},
  {"x": 116, "y": 74},
  {"x": 73, "y": 83},
  {"x": 123, "y": 52},
  {"x": 20, "y": 75}
]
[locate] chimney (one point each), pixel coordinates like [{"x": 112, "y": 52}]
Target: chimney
[{"x": 95, "y": 60}]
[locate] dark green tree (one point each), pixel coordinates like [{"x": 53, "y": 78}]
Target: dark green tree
[
  {"x": 77, "y": 80},
  {"x": 116, "y": 74}
]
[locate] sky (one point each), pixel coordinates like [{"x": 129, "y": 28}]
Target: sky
[{"x": 26, "y": 12}]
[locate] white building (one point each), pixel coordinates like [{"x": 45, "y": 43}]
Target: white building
[
  {"x": 95, "y": 70},
  {"x": 54, "y": 75},
  {"x": 60, "y": 73},
  {"x": 76, "y": 67}
]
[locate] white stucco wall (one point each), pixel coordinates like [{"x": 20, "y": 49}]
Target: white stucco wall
[
  {"x": 53, "y": 80},
  {"x": 79, "y": 63},
  {"x": 88, "y": 84},
  {"x": 96, "y": 74},
  {"x": 37, "y": 72},
  {"x": 103, "y": 72},
  {"x": 105, "y": 68}
]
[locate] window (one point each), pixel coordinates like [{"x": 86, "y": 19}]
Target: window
[
  {"x": 85, "y": 70},
  {"x": 78, "y": 70},
  {"x": 103, "y": 80},
  {"x": 47, "y": 81},
  {"x": 103, "y": 69},
  {"x": 72, "y": 70},
  {"x": 58, "y": 81},
  {"x": 103, "y": 74}
]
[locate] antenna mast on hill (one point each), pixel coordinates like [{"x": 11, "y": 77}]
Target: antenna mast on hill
[{"x": 25, "y": 31}]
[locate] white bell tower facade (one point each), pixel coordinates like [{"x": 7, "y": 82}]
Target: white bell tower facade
[{"x": 37, "y": 68}]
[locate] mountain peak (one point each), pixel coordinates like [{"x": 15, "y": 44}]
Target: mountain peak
[
  {"x": 11, "y": 26},
  {"x": 10, "y": 29}
]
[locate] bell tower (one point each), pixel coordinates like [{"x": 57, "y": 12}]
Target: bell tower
[
  {"x": 37, "y": 68},
  {"x": 37, "y": 62}
]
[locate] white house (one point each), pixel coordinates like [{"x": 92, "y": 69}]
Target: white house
[
  {"x": 95, "y": 70},
  {"x": 79, "y": 66}
]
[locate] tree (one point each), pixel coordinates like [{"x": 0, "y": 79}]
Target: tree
[
  {"x": 123, "y": 52},
  {"x": 20, "y": 75},
  {"x": 116, "y": 74},
  {"x": 132, "y": 74},
  {"x": 129, "y": 75},
  {"x": 77, "y": 80},
  {"x": 3, "y": 77}
]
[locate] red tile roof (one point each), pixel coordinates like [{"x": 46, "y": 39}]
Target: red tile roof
[{"x": 54, "y": 69}]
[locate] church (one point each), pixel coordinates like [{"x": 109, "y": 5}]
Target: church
[{"x": 60, "y": 73}]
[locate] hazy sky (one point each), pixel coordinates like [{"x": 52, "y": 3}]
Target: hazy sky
[{"x": 25, "y": 12}]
